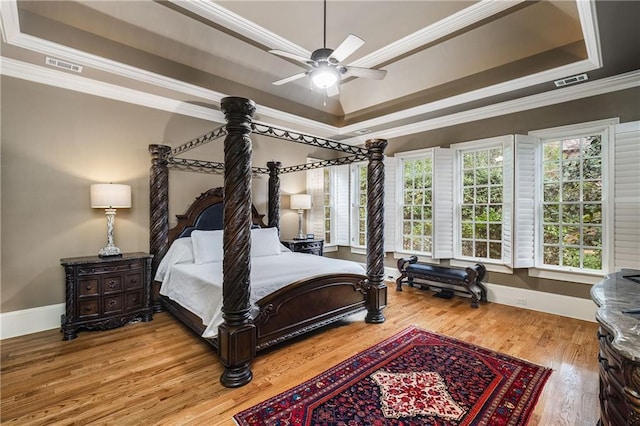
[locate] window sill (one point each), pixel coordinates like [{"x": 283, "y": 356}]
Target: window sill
[
  {"x": 570, "y": 276},
  {"x": 491, "y": 267},
  {"x": 329, "y": 249},
  {"x": 421, "y": 258}
]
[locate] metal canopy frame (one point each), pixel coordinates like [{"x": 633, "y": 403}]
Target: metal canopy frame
[{"x": 356, "y": 154}]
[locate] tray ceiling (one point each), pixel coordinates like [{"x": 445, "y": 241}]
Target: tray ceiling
[{"x": 441, "y": 57}]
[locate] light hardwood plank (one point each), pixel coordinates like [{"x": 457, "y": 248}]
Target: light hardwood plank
[{"x": 161, "y": 373}]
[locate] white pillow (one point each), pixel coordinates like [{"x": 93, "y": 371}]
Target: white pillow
[
  {"x": 265, "y": 242},
  {"x": 181, "y": 251},
  {"x": 207, "y": 246}
]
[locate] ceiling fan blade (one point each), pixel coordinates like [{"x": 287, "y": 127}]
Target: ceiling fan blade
[
  {"x": 288, "y": 79},
  {"x": 347, "y": 47},
  {"x": 291, "y": 56},
  {"x": 333, "y": 91},
  {"x": 365, "y": 73}
]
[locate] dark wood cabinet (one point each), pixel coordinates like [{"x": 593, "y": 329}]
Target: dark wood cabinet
[
  {"x": 305, "y": 246},
  {"x": 617, "y": 297},
  {"x": 104, "y": 293}
]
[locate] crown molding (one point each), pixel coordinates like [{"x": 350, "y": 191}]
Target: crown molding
[
  {"x": 11, "y": 32},
  {"x": 449, "y": 25},
  {"x": 585, "y": 90},
  {"x": 213, "y": 12},
  {"x": 77, "y": 83},
  {"x": 474, "y": 95}
]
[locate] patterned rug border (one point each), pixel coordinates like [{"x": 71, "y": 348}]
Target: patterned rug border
[{"x": 404, "y": 338}]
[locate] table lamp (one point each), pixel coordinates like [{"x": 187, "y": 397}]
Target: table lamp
[
  {"x": 300, "y": 202},
  {"x": 110, "y": 196}
]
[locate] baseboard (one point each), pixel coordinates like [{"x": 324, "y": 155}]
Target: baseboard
[
  {"x": 27, "y": 321},
  {"x": 33, "y": 320},
  {"x": 566, "y": 306}
]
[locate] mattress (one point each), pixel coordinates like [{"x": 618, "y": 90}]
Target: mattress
[{"x": 198, "y": 287}]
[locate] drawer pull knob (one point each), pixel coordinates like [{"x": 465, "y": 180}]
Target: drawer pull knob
[
  {"x": 88, "y": 287},
  {"x": 112, "y": 303},
  {"x": 133, "y": 280},
  {"x": 88, "y": 308},
  {"x": 112, "y": 283}
]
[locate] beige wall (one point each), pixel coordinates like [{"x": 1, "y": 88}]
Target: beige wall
[
  {"x": 623, "y": 104},
  {"x": 55, "y": 143}
]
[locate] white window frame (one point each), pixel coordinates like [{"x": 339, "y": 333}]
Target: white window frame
[
  {"x": 506, "y": 143},
  {"x": 607, "y": 129},
  {"x": 399, "y": 203},
  {"x": 355, "y": 215},
  {"x": 389, "y": 200},
  {"x": 315, "y": 177}
]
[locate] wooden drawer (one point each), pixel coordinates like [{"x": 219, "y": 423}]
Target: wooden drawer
[
  {"x": 88, "y": 287},
  {"x": 105, "y": 293},
  {"x": 133, "y": 281},
  {"x": 88, "y": 308},
  {"x": 112, "y": 304},
  {"x": 305, "y": 246},
  {"x": 312, "y": 247},
  {"x": 112, "y": 284},
  {"x": 133, "y": 300}
]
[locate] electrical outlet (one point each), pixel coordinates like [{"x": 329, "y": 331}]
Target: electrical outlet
[{"x": 520, "y": 301}]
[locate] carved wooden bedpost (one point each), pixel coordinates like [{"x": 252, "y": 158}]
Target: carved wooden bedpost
[
  {"x": 237, "y": 334},
  {"x": 274, "y": 194},
  {"x": 158, "y": 211},
  {"x": 377, "y": 292}
]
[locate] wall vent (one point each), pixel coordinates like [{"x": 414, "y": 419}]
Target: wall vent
[
  {"x": 570, "y": 80},
  {"x": 63, "y": 64},
  {"x": 362, "y": 131}
]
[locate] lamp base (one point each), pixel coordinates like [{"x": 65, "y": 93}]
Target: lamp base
[
  {"x": 109, "y": 251},
  {"x": 300, "y": 237}
]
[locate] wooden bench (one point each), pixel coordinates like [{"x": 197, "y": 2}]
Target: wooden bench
[{"x": 468, "y": 280}]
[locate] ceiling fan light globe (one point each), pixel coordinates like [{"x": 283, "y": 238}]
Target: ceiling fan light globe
[{"x": 324, "y": 77}]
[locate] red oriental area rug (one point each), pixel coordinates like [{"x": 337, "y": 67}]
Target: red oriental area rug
[{"x": 413, "y": 378}]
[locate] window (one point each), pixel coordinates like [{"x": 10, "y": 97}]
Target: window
[
  {"x": 572, "y": 190},
  {"x": 416, "y": 202},
  {"x": 481, "y": 211},
  {"x": 484, "y": 200},
  {"x": 327, "y": 203},
  {"x": 359, "y": 206},
  {"x": 321, "y": 219},
  {"x": 571, "y": 225}
]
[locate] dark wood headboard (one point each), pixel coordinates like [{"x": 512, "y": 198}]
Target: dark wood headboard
[{"x": 206, "y": 213}]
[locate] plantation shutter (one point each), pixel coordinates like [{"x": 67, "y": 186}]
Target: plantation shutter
[
  {"x": 315, "y": 188},
  {"x": 627, "y": 196},
  {"x": 390, "y": 205},
  {"x": 443, "y": 211},
  {"x": 523, "y": 222},
  {"x": 507, "y": 201},
  {"x": 342, "y": 207}
]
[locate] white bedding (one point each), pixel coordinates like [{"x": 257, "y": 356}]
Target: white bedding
[{"x": 198, "y": 287}]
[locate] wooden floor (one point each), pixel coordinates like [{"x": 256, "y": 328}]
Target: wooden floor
[{"x": 161, "y": 373}]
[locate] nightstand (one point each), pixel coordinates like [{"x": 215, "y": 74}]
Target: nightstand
[
  {"x": 106, "y": 292},
  {"x": 305, "y": 246}
]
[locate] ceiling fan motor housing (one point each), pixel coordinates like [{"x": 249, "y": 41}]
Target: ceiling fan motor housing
[{"x": 321, "y": 54}]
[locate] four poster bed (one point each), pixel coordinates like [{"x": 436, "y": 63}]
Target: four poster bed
[{"x": 258, "y": 307}]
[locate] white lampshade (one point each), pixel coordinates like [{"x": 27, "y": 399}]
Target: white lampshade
[
  {"x": 325, "y": 76},
  {"x": 300, "y": 202},
  {"x": 110, "y": 195}
]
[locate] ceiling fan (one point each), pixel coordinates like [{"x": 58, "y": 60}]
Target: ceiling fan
[{"x": 324, "y": 66}]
